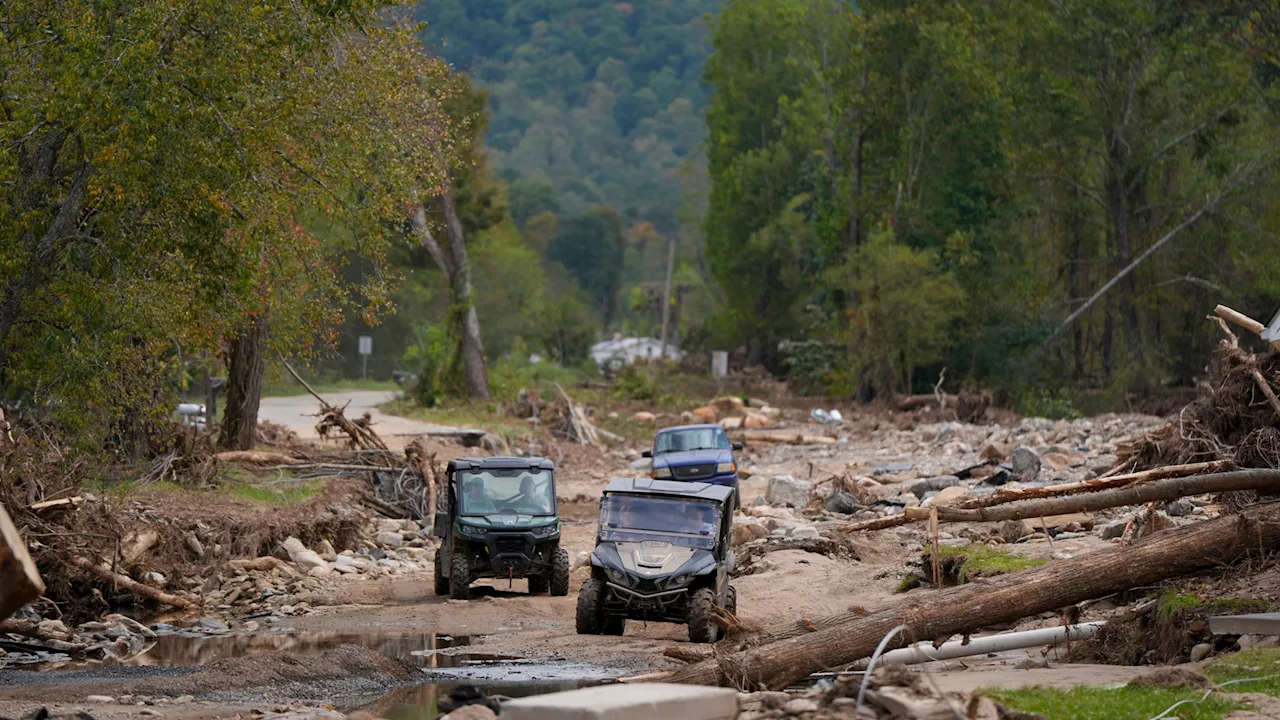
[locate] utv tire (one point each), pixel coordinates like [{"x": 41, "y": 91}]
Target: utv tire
[
  {"x": 442, "y": 580},
  {"x": 537, "y": 584},
  {"x": 460, "y": 577},
  {"x": 560, "y": 573},
  {"x": 614, "y": 625},
  {"x": 702, "y": 622},
  {"x": 590, "y": 618},
  {"x": 731, "y": 601}
]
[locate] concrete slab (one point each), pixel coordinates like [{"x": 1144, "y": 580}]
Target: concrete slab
[
  {"x": 642, "y": 701},
  {"x": 1257, "y": 624}
]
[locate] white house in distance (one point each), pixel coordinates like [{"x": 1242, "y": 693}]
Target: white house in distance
[{"x": 625, "y": 351}]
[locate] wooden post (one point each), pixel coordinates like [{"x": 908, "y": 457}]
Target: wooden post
[{"x": 20, "y": 582}]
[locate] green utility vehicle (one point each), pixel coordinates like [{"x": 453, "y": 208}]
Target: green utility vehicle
[{"x": 497, "y": 519}]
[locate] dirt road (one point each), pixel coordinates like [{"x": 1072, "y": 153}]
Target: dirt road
[{"x": 297, "y": 413}]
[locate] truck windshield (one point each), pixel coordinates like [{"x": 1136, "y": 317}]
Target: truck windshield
[
  {"x": 690, "y": 523},
  {"x": 507, "y": 490},
  {"x": 694, "y": 439}
]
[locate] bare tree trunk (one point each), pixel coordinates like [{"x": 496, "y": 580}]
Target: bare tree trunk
[
  {"x": 244, "y": 387},
  {"x": 472, "y": 346},
  {"x": 844, "y": 639}
]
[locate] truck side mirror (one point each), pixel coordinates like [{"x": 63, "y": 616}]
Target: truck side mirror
[
  {"x": 737, "y": 446},
  {"x": 647, "y": 453}
]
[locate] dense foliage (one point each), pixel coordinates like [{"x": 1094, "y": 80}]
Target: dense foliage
[{"x": 930, "y": 183}]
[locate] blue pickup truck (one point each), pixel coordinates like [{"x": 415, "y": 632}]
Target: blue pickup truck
[{"x": 695, "y": 453}]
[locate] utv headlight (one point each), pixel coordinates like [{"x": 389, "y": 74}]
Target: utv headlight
[
  {"x": 474, "y": 530},
  {"x": 546, "y": 530},
  {"x": 616, "y": 576},
  {"x": 678, "y": 581},
  {"x": 662, "y": 472},
  {"x": 726, "y": 468}
]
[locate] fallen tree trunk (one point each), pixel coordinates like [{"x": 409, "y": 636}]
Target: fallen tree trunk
[
  {"x": 991, "y": 601},
  {"x": 1002, "y": 497},
  {"x": 20, "y": 582},
  {"x": 1171, "y": 489},
  {"x": 789, "y": 438},
  {"x": 134, "y": 586},
  {"x": 256, "y": 457}
]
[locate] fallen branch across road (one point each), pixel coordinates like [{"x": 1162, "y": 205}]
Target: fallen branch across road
[
  {"x": 1162, "y": 490},
  {"x": 991, "y": 601}
]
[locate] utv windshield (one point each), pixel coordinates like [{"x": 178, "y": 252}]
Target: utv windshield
[
  {"x": 514, "y": 491},
  {"x": 630, "y": 518},
  {"x": 695, "y": 439}
]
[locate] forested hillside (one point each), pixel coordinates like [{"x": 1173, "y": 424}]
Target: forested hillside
[
  {"x": 593, "y": 102},
  {"x": 1020, "y": 192}
]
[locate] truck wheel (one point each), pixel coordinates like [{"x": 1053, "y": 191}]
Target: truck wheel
[
  {"x": 459, "y": 577},
  {"x": 590, "y": 607},
  {"x": 560, "y": 573},
  {"x": 614, "y": 625},
  {"x": 537, "y": 584},
  {"x": 442, "y": 579},
  {"x": 702, "y": 623}
]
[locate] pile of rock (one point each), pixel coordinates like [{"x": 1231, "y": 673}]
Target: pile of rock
[{"x": 114, "y": 637}]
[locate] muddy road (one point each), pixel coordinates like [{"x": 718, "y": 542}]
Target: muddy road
[{"x": 390, "y": 647}]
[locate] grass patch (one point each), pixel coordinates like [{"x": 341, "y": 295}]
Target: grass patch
[
  {"x": 477, "y": 415},
  {"x": 1127, "y": 703},
  {"x": 284, "y": 494},
  {"x": 965, "y": 562},
  {"x": 288, "y": 387},
  {"x": 1172, "y": 603},
  {"x": 1251, "y": 663}
]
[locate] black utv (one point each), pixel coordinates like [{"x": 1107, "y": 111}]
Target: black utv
[
  {"x": 663, "y": 553},
  {"x": 497, "y": 518}
]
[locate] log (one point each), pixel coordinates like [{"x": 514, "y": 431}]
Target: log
[
  {"x": 20, "y": 582},
  {"x": 1001, "y": 497},
  {"x": 991, "y": 601},
  {"x": 134, "y": 586},
  {"x": 256, "y": 457},
  {"x": 1238, "y": 318},
  {"x": 45, "y": 505},
  {"x": 876, "y": 523},
  {"x": 789, "y": 439},
  {"x": 1170, "y": 489}
]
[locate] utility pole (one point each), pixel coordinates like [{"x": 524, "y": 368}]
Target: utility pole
[{"x": 666, "y": 296}]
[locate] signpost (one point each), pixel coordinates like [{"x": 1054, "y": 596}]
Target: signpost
[{"x": 366, "y": 349}]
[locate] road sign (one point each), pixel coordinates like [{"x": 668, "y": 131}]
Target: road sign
[{"x": 366, "y": 345}]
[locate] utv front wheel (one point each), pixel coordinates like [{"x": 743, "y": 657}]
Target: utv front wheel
[
  {"x": 731, "y": 604},
  {"x": 560, "y": 573},
  {"x": 702, "y": 622},
  {"x": 459, "y": 577},
  {"x": 590, "y": 607},
  {"x": 442, "y": 580}
]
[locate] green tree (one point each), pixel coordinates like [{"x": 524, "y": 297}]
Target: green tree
[{"x": 590, "y": 246}]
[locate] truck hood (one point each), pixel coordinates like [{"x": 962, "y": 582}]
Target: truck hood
[
  {"x": 692, "y": 457},
  {"x": 653, "y": 559},
  {"x": 509, "y": 522}
]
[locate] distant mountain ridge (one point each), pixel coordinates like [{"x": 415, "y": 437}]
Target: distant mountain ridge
[{"x": 602, "y": 100}]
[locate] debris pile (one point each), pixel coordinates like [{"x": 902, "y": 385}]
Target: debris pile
[{"x": 892, "y": 692}]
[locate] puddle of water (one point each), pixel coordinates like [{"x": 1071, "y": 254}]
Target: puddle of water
[{"x": 432, "y": 700}]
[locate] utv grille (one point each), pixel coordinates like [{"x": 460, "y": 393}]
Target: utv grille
[
  {"x": 694, "y": 472},
  {"x": 508, "y": 545}
]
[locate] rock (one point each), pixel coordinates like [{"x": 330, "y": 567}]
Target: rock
[
  {"x": 1114, "y": 529},
  {"x": 842, "y": 502},
  {"x": 1013, "y": 530},
  {"x": 53, "y": 627},
  {"x": 805, "y": 532},
  {"x": 786, "y": 490},
  {"x": 799, "y": 706},
  {"x": 1179, "y": 508},
  {"x": 133, "y": 626},
  {"x": 1201, "y": 651},
  {"x": 100, "y": 699},
  {"x": 298, "y": 553},
  {"x": 193, "y": 544},
  {"x": 934, "y": 484},
  {"x": 389, "y": 539},
  {"x": 731, "y": 423},
  {"x": 155, "y": 578},
  {"x": 211, "y": 624},
  {"x": 747, "y": 529},
  {"x": 1156, "y": 523},
  {"x": 148, "y": 712},
  {"x": 1056, "y": 461},
  {"x": 319, "y": 572},
  {"x": 992, "y": 451},
  {"x": 1026, "y": 463},
  {"x": 755, "y": 420},
  {"x": 326, "y": 548},
  {"x": 728, "y": 404},
  {"x": 471, "y": 712},
  {"x": 949, "y": 495},
  {"x": 706, "y": 414},
  {"x": 644, "y": 417}
]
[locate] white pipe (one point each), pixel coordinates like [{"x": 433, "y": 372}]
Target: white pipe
[{"x": 925, "y": 652}]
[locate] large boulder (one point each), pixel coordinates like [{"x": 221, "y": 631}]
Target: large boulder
[
  {"x": 305, "y": 558},
  {"x": 705, "y": 415},
  {"x": 786, "y": 490},
  {"x": 1026, "y": 463}
]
